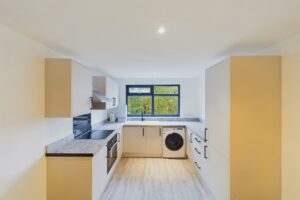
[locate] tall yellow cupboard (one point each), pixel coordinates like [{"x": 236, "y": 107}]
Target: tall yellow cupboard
[{"x": 243, "y": 121}]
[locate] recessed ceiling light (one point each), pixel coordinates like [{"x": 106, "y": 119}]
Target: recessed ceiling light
[{"x": 161, "y": 30}]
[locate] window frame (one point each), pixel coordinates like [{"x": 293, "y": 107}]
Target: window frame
[{"x": 152, "y": 95}]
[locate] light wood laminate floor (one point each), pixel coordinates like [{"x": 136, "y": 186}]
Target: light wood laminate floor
[{"x": 155, "y": 179}]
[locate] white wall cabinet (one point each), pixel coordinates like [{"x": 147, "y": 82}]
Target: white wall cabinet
[
  {"x": 107, "y": 87},
  {"x": 112, "y": 91},
  {"x": 68, "y": 87},
  {"x": 142, "y": 141}
]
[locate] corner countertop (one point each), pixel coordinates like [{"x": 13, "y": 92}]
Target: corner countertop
[{"x": 88, "y": 148}]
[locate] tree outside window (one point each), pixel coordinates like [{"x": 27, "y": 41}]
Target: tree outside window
[{"x": 153, "y": 100}]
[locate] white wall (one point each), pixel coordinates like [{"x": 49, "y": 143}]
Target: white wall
[
  {"x": 24, "y": 132},
  {"x": 189, "y": 89},
  {"x": 98, "y": 116}
]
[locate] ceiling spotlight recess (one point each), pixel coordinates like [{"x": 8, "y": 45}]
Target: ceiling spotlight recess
[{"x": 161, "y": 30}]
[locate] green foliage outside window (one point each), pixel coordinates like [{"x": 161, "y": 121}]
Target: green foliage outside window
[
  {"x": 153, "y": 100},
  {"x": 165, "y": 105},
  {"x": 166, "y": 90},
  {"x": 139, "y": 104}
]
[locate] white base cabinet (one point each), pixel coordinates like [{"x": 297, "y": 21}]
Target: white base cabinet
[
  {"x": 140, "y": 141},
  {"x": 134, "y": 140},
  {"x": 120, "y": 144},
  {"x": 153, "y": 140},
  {"x": 197, "y": 151}
]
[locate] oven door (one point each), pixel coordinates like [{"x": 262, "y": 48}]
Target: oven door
[{"x": 112, "y": 155}]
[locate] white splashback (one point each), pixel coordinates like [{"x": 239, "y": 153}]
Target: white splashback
[{"x": 191, "y": 94}]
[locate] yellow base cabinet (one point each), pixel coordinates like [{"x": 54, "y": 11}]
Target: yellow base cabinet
[
  {"x": 77, "y": 178},
  {"x": 243, "y": 121}
]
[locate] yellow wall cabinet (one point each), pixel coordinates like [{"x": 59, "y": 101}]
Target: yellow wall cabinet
[
  {"x": 68, "y": 88},
  {"x": 243, "y": 121},
  {"x": 140, "y": 141}
]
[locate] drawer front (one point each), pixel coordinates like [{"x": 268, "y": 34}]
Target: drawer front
[
  {"x": 197, "y": 147},
  {"x": 197, "y": 151}
]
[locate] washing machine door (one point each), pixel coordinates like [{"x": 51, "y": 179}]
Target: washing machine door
[{"x": 174, "y": 141}]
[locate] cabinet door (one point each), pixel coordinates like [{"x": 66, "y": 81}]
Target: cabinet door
[
  {"x": 197, "y": 148},
  {"x": 81, "y": 89},
  {"x": 120, "y": 144},
  {"x": 153, "y": 141},
  {"x": 115, "y": 93},
  {"x": 215, "y": 167},
  {"x": 134, "y": 140},
  {"x": 99, "y": 176},
  {"x": 112, "y": 91},
  {"x": 217, "y": 105},
  {"x": 214, "y": 171},
  {"x": 189, "y": 135}
]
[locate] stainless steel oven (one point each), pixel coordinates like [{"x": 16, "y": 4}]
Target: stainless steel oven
[{"x": 112, "y": 152}]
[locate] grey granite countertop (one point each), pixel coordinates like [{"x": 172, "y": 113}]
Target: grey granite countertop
[
  {"x": 70, "y": 147},
  {"x": 76, "y": 148}
]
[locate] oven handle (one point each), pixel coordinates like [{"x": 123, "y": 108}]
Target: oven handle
[{"x": 110, "y": 150}]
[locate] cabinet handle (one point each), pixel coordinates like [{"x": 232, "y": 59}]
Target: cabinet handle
[
  {"x": 160, "y": 130},
  {"x": 197, "y": 140},
  {"x": 196, "y": 163},
  {"x": 198, "y": 152},
  {"x": 114, "y": 101},
  {"x": 205, "y": 134},
  {"x": 143, "y": 131},
  {"x": 91, "y": 103},
  {"x": 205, "y": 155},
  {"x": 191, "y": 138}
]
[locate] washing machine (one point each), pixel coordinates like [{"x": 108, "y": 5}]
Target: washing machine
[{"x": 174, "y": 142}]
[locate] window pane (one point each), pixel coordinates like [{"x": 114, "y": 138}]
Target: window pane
[
  {"x": 139, "y": 90},
  {"x": 165, "y": 105},
  {"x": 139, "y": 104},
  {"x": 166, "y": 90}
]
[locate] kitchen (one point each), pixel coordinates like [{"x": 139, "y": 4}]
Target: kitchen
[
  {"x": 102, "y": 145},
  {"x": 147, "y": 126},
  {"x": 149, "y": 100}
]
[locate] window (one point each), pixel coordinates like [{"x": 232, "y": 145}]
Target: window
[{"x": 153, "y": 100}]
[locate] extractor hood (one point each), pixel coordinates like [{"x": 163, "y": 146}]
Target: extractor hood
[{"x": 98, "y": 97}]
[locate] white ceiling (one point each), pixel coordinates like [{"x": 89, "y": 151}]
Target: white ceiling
[{"x": 120, "y": 38}]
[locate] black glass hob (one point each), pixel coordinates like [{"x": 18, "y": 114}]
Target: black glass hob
[{"x": 95, "y": 135}]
